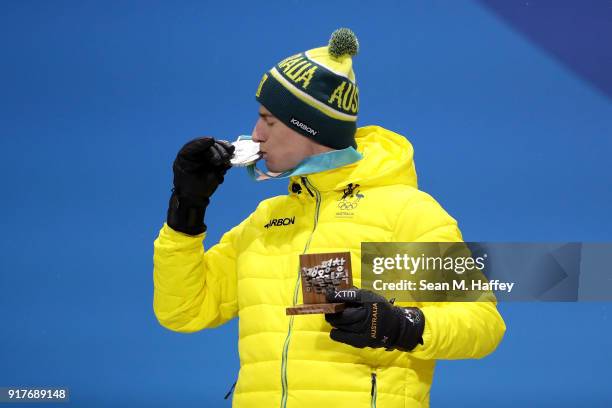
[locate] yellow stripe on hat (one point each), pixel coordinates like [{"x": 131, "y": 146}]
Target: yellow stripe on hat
[
  {"x": 340, "y": 67},
  {"x": 309, "y": 100}
]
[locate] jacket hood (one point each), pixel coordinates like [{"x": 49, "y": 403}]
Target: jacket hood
[{"x": 387, "y": 159}]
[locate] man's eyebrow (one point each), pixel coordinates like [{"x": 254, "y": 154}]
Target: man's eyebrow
[{"x": 265, "y": 115}]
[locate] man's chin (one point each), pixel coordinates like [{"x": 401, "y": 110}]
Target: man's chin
[{"x": 273, "y": 168}]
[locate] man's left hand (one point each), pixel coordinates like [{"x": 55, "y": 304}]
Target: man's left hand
[{"x": 369, "y": 320}]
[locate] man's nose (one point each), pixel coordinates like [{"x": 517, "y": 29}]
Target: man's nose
[{"x": 259, "y": 132}]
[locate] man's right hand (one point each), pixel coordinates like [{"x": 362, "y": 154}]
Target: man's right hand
[{"x": 199, "y": 168}]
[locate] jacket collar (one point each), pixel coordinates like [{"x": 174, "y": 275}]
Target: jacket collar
[{"x": 387, "y": 159}]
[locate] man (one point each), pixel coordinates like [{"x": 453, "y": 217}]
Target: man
[{"x": 346, "y": 186}]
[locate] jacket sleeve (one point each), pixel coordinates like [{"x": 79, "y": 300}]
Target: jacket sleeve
[
  {"x": 194, "y": 289},
  {"x": 453, "y": 330}
]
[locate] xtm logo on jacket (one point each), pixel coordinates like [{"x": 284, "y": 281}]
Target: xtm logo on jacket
[{"x": 279, "y": 222}]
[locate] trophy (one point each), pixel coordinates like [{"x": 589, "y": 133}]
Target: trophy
[{"x": 320, "y": 273}]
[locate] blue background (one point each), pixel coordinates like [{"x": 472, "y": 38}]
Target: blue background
[{"x": 508, "y": 105}]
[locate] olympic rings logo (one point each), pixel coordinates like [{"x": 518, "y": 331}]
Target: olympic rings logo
[{"x": 348, "y": 205}]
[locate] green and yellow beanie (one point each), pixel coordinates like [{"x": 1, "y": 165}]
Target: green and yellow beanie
[{"x": 315, "y": 93}]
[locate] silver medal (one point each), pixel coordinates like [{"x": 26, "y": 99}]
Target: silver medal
[{"x": 246, "y": 153}]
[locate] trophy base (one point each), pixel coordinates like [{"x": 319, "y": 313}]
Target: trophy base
[{"x": 315, "y": 308}]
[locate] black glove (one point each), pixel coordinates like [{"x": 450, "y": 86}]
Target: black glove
[
  {"x": 369, "y": 320},
  {"x": 199, "y": 168}
]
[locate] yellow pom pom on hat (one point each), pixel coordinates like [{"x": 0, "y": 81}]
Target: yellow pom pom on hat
[{"x": 315, "y": 92}]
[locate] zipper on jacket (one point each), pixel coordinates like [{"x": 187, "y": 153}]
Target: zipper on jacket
[
  {"x": 284, "y": 384},
  {"x": 230, "y": 390},
  {"x": 373, "y": 391},
  {"x": 305, "y": 182}
]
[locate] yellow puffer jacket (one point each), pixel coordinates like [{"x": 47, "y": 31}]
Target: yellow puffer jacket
[{"x": 252, "y": 273}]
